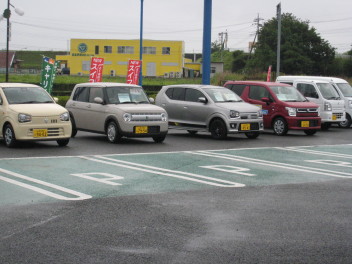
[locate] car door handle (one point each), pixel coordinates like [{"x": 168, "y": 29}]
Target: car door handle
[{"x": 89, "y": 106}]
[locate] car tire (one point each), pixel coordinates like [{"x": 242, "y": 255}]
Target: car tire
[
  {"x": 192, "y": 132},
  {"x": 63, "y": 142},
  {"x": 9, "y": 136},
  {"x": 325, "y": 126},
  {"x": 74, "y": 129},
  {"x": 310, "y": 132},
  {"x": 347, "y": 123},
  {"x": 252, "y": 135},
  {"x": 159, "y": 139},
  {"x": 280, "y": 126},
  {"x": 112, "y": 132},
  {"x": 218, "y": 129}
]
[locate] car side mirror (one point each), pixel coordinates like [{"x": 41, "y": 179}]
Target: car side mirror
[
  {"x": 266, "y": 100},
  {"x": 98, "y": 100},
  {"x": 151, "y": 100},
  {"x": 202, "y": 100}
]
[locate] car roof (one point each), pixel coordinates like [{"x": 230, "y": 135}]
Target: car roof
[
  {"x": 259, "y": 82},
  {"x": 16, "y": 85},
  {"x": 322, "y": 78},
  {"x": 196, "y": 86},
  {"x": 107, "y": 84}
]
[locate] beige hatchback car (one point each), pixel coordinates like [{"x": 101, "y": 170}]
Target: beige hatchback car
[
  {"x": 116, "y": 110},
  {"x": 28, "y": 112}
]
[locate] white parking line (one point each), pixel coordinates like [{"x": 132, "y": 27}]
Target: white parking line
[
  {"x": 170, "y": 173},
  {"x": 274, "y": 164},
  {"x": 316, "y": 152}
]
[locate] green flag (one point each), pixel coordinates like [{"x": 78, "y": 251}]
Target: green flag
[{"x": 48, "y": 74}]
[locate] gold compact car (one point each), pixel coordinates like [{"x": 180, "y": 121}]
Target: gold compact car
[{"x": 28, "y": 112}]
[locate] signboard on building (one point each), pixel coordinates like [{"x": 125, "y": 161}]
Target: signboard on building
[
  {"x": 134, "y": 69},
  {"x": 96, "y": 70}
]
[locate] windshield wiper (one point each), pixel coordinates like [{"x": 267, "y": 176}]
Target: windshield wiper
[{"x": 143, "y": 102}]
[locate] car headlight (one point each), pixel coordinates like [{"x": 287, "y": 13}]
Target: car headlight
[
  {"x": 24, "y": 118},
  {"x": 291, "y": 111},
  {"x": 260, "y": 113},
  {"x": 327, "y": 106},
  {"x": 349, "y": 103},
  {"x": 234, "y": 114},
  {"x": 318, "y": 111},
  {"x": 65, "y": 117},
  {"x": 127, "y": 117},
  {"x": 164, "y": 117}
]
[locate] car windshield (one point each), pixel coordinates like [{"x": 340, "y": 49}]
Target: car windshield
[
  {"x": 221, "y": 95},
  {"x": 345, "y": 89},
  {"x": 328, "y": 91},
  {"x": 288, "y": 94},
  {"x": 126, "y": 95},
  {"x": 27, "y": 95}
]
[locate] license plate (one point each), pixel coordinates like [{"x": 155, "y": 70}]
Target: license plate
[
  {"x": 245, "y": 126},
  {"x": 38, "y": 133},
  {"x": 305, "y": 124},
  {"x": 334, "y": 117},
  {"x": 141, "y": 129}
]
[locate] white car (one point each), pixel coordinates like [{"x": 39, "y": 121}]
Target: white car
[
  {"x": 116, "y": 110},
  {"x": 28, "y": 112}
]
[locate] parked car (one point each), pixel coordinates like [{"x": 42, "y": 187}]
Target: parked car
[
  {"x": 209, "y": 108},
  {"x": 117, "y": 110},
  {"x": 28, "y": 112},
  {"x": 323, "y": 93},
  {"x": 342, "y": 87},
  {"x": 284, "y": 108}
]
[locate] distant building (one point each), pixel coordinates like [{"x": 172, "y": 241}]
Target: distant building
[{"x": 160, "y": 57}]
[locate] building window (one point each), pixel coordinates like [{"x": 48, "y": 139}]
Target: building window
[
  {"x": 149, "y": 50},
  {"x": 166, "y": 51},
  {"x": 213, "y": 69},
  {"x": 96, "y": 49},
  {"x": 125, "y": 49},
  {"x": 107, "y": 49}
]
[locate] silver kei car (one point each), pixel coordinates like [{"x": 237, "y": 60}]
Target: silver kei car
[
  {"x": 117, "y": 110},
  {"x": 210, "y": 108}
]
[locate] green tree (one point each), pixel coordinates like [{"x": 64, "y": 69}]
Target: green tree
[
  {"x": 303, "y": 51},
  {"x": 239, "y": 60}
]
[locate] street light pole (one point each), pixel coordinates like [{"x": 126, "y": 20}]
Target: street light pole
[
  {"x": 141, "y": 46},
  {"x": 7, "y": 41}
]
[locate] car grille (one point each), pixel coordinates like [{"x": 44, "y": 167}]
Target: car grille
[
  {"x": 307, "y": 112},
  {"x": 52, "y": 132},
  {"x": 338, "y": 115},
  {"x": 146, "y": 117},
  {"x": 249, "y": 115}
]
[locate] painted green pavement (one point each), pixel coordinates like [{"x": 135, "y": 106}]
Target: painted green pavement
[{"x": 31, "y": 180}]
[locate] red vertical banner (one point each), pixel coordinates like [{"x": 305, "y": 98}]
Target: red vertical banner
[
  {"x": 96, "y": 69},
  {"x": 268, "y": 77},
  {"x": 134, "y": 69}
]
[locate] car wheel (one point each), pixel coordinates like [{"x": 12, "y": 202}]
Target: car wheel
[
  {"x": 74, "y": 129},
  {"x": 310, "y": 132},
  {"x": 192, "y": 132},
  {"x": 347, "y": 123},
  {"x": 218, "y": 129},
  {"x": 159, "y": 139},
  {"x": 9, "y": 136},
  {"x": 112, "y": 132},
  {"x": 63, "y": 142},
  {"x": 252, "y": 135},
  {"x": 325, "y": 126},
  {"x": 280, "y": 126}
]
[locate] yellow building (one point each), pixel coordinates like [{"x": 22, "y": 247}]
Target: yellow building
[{"x": 160, "y": 57}]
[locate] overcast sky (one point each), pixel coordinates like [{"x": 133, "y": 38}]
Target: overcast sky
[{"x": 49, "y": 25}]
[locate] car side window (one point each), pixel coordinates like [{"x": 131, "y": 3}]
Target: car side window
[
  {"x": 192, "y": 95},
  {"x": 307, "y": 90},
  {"x": 258, "y": 92},
  {"x": 0, "y": 100},
  {"x": 81, "y": 94},
  {"x": 169, "y": 92},
  {"x": 95, "y": 92},
  {"x": 179, "y": 94},
  {"x": 238, "y": 88}
]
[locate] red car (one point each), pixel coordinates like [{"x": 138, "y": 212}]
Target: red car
[{"x": 283, "y": 106}]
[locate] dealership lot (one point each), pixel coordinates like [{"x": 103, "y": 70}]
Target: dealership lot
[{"x": 85, "y": 177}]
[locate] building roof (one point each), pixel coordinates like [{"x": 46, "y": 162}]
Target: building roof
[{"x": 3, "y": 58}]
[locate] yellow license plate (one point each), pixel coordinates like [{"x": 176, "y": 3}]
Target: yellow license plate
[
  {"x": 245, "y": 126},
  {"x": 141, "y": 129},
  {"x": 334, "y": 117},
  {"x": 305, "y": 124},
  {"x": 38, "y": 133}
]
